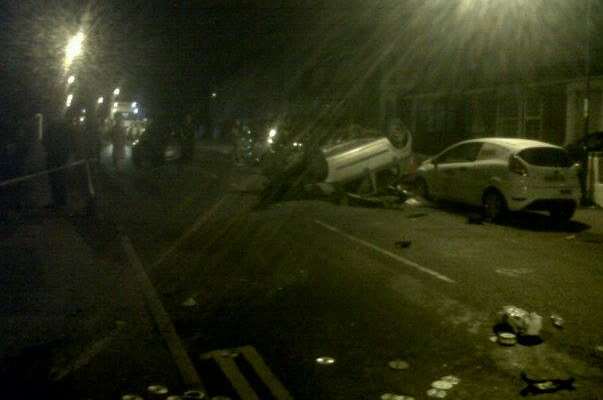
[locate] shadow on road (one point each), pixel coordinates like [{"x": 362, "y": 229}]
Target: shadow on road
[{"x": 525, "y": 220}]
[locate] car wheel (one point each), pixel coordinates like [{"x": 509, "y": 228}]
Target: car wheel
[
  {"x": 494, "y": 205},
  {"x": 422, "y": 188},
  {"x": 561, "y": 214}
]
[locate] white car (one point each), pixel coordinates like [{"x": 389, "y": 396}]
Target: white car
[{"x": 503, "y": 174}]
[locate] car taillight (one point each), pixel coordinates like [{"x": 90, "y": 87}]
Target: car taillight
[{"x": 518, "y": 167}]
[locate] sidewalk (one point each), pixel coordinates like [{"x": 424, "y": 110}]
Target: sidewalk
[
  {"x": 70, "y": 322},
  {"x": 592, "y": 216}
]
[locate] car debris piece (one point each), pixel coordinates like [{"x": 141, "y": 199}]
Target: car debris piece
[
  {"x": 507, "y": 338},
  {"x": 557, "y": 320},
  {"x": 398, "y": 365},
  {"x": 190, "y": 302},
  {"x": 325, "y": 360},
  {"x": 229, "y": 353},
  {"x": 391, "y": 396},
  {"x": 403, "y": 244},
  {"x": 452, "y": 379},
  {"x": 570, "y": 237},
  {"x": 442, "y": 385},
  {"x": 413, "y": 202},
  {"x": 437, "y": 393},
  {"x": 538, "y": 386},
  {"x": 193, "y": 395},
  {"x": 416, "y": 215},
  {"x": 521, "y": 321},
  {"x": 157, "y": 390}
]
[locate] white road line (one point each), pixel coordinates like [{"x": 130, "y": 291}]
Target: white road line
[{"x": 387, "y": 253}]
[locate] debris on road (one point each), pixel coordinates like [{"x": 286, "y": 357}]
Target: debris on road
[
  {"x": 193, "y": 395},
  {"x": 437, "y": 393},
  {"x": 398, "y": 365},
  {"x": 131, "y": 397},
  {"x": 325, "y": 360},
  {"x": 539, "y": 386},
  {"x": 570, "y": 237},
  {"x": 521, "y": 321},
  {"x": 557, "y": 320},
  {"x": 493, "y": 338},
  {"x": 391, "y": 396},
  {"x": 506, "y": 338},
  {"x": 413, "y": 202},
  {"x": 190, "y": 302},
  {"x": 442, "y": 385},
  {"x": 454, "y": 380},
  {"x": 157, "y": 390},
  {"x": 403, "y": 244},
  {"x": 416, "y": 215}
]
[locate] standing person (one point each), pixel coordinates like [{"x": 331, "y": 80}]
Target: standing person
[
  {"x": 187, "y": 138},
  {"x": 118, "y": 139},
  {"x": 59, "y": 147}
]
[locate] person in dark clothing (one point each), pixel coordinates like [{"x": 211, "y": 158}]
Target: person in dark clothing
[
  {"x": 187, "y": 138},
  {"x": 58, "y": 143}
]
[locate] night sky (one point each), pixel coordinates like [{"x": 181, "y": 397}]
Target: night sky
[{"x": 173, "y": 54}]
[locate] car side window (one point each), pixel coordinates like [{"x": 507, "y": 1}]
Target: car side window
[
  {"x": 490, "y": 151},
  {"x": 466, "y": 152}
]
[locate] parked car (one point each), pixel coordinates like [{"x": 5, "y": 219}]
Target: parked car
[
  {"x": 503, "y": 175},
  {"x": 156, "y": 146}
]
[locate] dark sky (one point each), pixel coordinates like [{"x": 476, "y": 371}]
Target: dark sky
[{"x": 179, "y": 51}]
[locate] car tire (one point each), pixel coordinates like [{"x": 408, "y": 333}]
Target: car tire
[
  {"x": 494, "y": 204},
  {"x": 422, "y": 188},
  {"x": 563, "y": 213}
]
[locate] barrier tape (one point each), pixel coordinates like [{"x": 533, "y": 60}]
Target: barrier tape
[{"x": 41, "y": 173}]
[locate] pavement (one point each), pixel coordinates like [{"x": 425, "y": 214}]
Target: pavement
[{"x": 298, "y": 280}]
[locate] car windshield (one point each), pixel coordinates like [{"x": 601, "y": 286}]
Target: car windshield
[
  {"x": 301, "y": 199},
  {"x": 546, "y": 157}
]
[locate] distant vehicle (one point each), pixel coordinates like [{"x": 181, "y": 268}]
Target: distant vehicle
[
  {"x": 503, "y": 175},
  {"x": 156, "y": 146}
]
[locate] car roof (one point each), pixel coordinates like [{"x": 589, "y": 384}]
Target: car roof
[{"x": 514, "y": 144}]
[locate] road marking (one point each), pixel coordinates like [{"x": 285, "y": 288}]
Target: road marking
[
  {"x": 162, "y": 319},
  {"x": 387, "y": 253}
]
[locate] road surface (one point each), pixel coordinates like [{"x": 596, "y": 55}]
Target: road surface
[{"x": 306, "y": 279}]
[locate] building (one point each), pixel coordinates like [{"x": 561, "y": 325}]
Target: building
[{"x": 547, "y": 110}]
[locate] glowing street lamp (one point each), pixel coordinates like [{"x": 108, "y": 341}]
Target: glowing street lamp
[
  {"x": 134, "y": 105},
  {"x": 116, "y": 92},
  {"x": 69, "y": 100},
  {"x": 100, "y": 100},
  {"x": 214, "y": 95},
  {"x": 73, "y": 49},
  {"x": 71, "y": 79}
]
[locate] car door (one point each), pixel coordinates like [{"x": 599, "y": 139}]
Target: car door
[
  {"x": 491, "y": 168},
  {"x": 462, "y": 173},
  {"x": 452, "y": 169}
]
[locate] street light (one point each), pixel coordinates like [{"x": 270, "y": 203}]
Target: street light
[
  {"x": 134, "y": 105},
  {"x": 71, "y": 79},
  {"x": 101, "y": 100},
  {"x": 214, "y": 95},
  {"x": 73, "y": 49},
  {"x": 116, "y": 92},
  {"x": 69, "y": 100}
]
